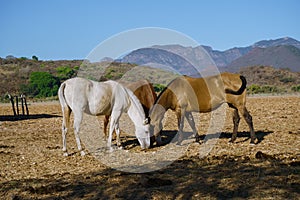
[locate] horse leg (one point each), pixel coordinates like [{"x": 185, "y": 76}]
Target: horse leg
[
  {"x": 117, "y": 130},
  {"x": 65, "y": 126},
  {"x": 109, "y": 139},
  {"x": 248, "y": 119},
  {"x": 114, "y": 123},
  {"x": 105, "y": 122},
  {"x": 180, "y": 120},
  {"x": 77, "y": 122},
  {"x": 191, "y": 122},
  {"x": 236, "y": 121}
]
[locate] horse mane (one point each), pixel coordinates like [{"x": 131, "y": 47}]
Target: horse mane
[{"x": 134, "y": 100}]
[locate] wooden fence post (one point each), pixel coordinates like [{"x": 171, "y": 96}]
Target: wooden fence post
[
  {"x": 25, "y": 102},
  {"x": 17, "y": 104},
  {"x": 11, "y": 98},
  {"x": 22, "y": 101}
]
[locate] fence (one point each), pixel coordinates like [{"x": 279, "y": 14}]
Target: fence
[{"x": 15, "y": 104}]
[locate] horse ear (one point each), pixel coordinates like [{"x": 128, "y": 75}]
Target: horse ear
[{"x": 146, "y": 121}]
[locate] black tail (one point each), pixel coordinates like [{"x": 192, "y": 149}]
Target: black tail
[{"x": 242, "y": 88}]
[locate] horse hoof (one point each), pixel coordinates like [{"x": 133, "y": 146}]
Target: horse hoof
[
  {"x": 82, "y": 153},
  {"x": 253, "y": 141},
  {"x": 179, "y": 143},
  {"x": 66, "y": 154},
  {"x": 159, "y": 143},
  {"x": 111, "y": 149},
  {"x": 120, "y": 147},
  {"x": 200, "y": 142},
  {"x": 198, "y": 139}
]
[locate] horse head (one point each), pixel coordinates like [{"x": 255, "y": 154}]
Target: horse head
[
  {"x": 157, "y": 113},
  {"x": 143, "y": 134}
]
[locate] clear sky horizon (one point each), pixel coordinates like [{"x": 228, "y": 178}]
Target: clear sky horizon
[{"x": 70, "y": 29}]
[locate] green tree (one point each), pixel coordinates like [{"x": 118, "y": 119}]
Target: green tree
[
  {"x": 65, "y": 72},
  {"x": 296, "y": 88},
  {"x": 41, "y": 84},
  {"x": 35, "y": 58}
]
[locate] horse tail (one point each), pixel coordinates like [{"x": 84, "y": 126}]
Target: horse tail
[
  {"x": 61, "y": 95},
  {"x": 240, "y": 90},
  {"x": 62, "y": 99},
  {"x": 66, "y": 110}
]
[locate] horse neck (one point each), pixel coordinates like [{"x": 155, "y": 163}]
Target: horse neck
[
  {"x": 165, "y": 99},
  {"x": 160, "y": 107},
  {"x": 135, "y": 110}
]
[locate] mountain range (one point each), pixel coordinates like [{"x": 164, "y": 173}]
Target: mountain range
[{"x": 282, "y": 53}]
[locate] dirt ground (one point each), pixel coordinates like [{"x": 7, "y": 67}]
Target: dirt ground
[{"x": 32, "y": 165}]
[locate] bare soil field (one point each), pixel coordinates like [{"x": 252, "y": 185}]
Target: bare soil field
[{"x": 32, "y": 165}]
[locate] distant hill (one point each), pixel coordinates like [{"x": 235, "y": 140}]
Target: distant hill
[
  {"x": 279, "y": 53},
  {"x": 284, "y": 56},
  {"x": 16, "y": 71},
  {"x": 267, "y": 75},
  {"x": 277, "y": 42},
  {"x": 160, "y": 58},
  {"x": 266, "y": 79},
  {"x": 224, "y": 59}
]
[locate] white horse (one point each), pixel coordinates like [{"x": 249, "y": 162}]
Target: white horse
[{"x": 101, "y": 98}]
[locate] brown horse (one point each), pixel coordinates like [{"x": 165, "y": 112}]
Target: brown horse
[
  {"x": 144, "y": 91},
  {"x": 185, "y": 95}
]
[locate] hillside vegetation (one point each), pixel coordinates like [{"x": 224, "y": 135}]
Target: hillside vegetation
[
  {"x": 15, "y": 73},
  {"x": 42, "y": 78},
  {"x": 266, "y": 79}
]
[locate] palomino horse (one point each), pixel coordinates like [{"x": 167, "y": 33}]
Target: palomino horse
[
  {"x": 185, "y": 95},
  {"x": 101, "y": 98},
  {"x": 144, "y": 91}
]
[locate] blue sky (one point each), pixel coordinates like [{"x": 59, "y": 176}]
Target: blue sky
[{"x": 70, "y": 29}]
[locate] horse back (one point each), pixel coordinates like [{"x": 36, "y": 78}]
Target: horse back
[
  {"x": 207, "y": 94},
  {"x": 88, "y": 96}
]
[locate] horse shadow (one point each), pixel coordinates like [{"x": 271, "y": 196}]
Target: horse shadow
[
  {"x": 260, "y": 135},
  {"x": 13, "y": 118},
  {"x": 167, "y": 136},
  {"x": 171, "y": 136}
]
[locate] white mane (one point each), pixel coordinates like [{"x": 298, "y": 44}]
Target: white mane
[{"x": 136, "y": 103}]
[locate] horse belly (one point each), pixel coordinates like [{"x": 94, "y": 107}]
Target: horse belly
[
  {"x": 99, "y": 109},
  {"x": 199, "y": 108}
]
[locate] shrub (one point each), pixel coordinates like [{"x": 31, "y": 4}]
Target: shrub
[
  {"x": 35, "y": 58},
  {"x": 158, "y": 87},
  {"x": 296, "y": 88},
  {"x": 287, "y": 79},
  {"x": 65, "y": 72},
  {"x": 253, "y": 89},
  {"x": 269, "y": 89},
  {"x": 41, "y": 84}
]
